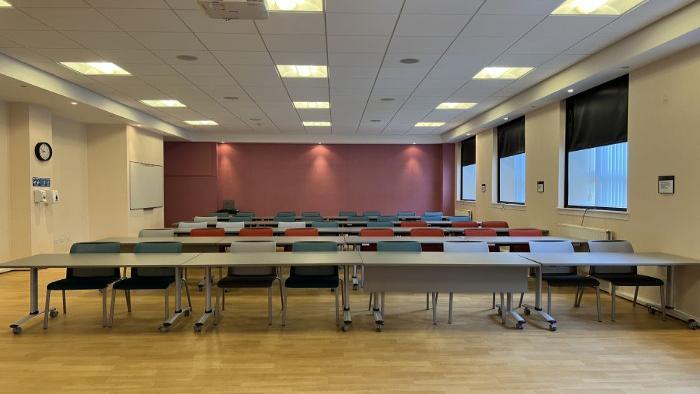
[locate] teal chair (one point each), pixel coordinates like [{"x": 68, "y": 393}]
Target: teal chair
[
  {"x": 380, "y": 224},
  {"x": 324, "y": 224},
  {"x": 286, "y": 213},
  {"x": 406, "y": 213},
  {"x": 347, "y": 213},
  {"x": 387, "y": 219},
  {"x": 432, "y": 216},
  {"x": 371, "y": 213},
  {"x": 359, "y": 218},
  {"x": 220, "y": 214},
  {"x": 285, "y": 218},
  {"x": 244, "y": 213},
  {"x": 324, "y": 277},
  {"x": 459, "y": 218},
  {"x": 311, "y": 213},
  {"x": 396, "y": 246}
]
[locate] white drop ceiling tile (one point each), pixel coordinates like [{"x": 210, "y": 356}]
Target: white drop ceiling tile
[
  {"x": 501, "y": 25},
  {"x": 133, "y": 20},
  {"x": 182, "y": 4},
  {"x": 199, "y": 22},
  {"x": 308, "y": 58},
  {"x": 357, "y": 44},
  {"x": 81, "y": 19},
  {"x": 364, "y": 6},
  {"x": 481, "y": 88},
  {"x": 408, "y": 74},
  {"x": 520, "y": 7},
  {"x": 7, "y": 43},
  {"x": 128, "y": 4},
  {"x": 308, "y": 94},
  {"x": 243, "y": 58},
  {"x": 292, "y": 23},
  {"x": 355, "y": 59},
  {"x": 480, "y": 45},
  {"x": 422, "y": 91},
  {"x": 430, "y": 25},
  {"x": 300, "y": 83},
  {"x": 360, "y": 24},
  {"x": 40, "y": 39},
  {"x": 426, "y": 60},
  {"x": 651, "y": 10},
  {"x": 352, "y": 72},
  {"x": 49, "y": 3},
  {"x": 450, "y": 7},
  {"x": 170, "y": 57},
  {"x": 383, "y": 84},
  {"x": 522, "y": 59},
  {"x": 209, "y": 80},
  {"x": 129, "y": 56},
  {"x": 15, "y": 20},
  {"x": 267, "y": 93},
  {"x": 140, "y": 69},
  {"x": 293, "y": 43},
  {"x": 171, "y": 41},
  {"x": 254, "y": 75},
  {"x": 420, "y": 45},
  {"x": 104, "y": 39},
  {"x": 557, "y": 33},
  {"x": 314, "y": 115},
  {"x": 131, "y": 86},
  {"x": 191, "y": 70},
  {"x": 352, "y": 87},
  {"x": 70, "y": 55},
  {"x": 438, "y": 116},
  {"x": 399, "y": 94},
  {"x": 560, "y": 62},
  {"x": 232, "y": 42},
  {"x": 608, "y": 35}
]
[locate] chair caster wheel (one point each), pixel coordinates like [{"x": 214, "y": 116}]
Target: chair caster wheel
[
  {"x": 500, "y": 312},
  {"x": 197, "y": 328},
  {"x": 378, "y": 328},
  {"x": 651, "y": 310},
  {"x": 17, "y": 330},
  {"x": 186, "y": 313},
  {"x": 526, "y": 311},
  {"x": 552, "y": 327},
  {"x": 344, "y": 327},
  {"x": 200, "y": 287},
  {"x": 692, "y": 324},
  {"x": 355, "y": 287},
  {"x": 53, "y": 313},
  {"x": 163, "y": 329},
  {"x": 520, "y": 325}
]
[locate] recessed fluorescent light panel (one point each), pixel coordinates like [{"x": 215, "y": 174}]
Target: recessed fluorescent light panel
[
  {"x": 4, "y": 4},
  {"x": 164, "y": 103},
  {"x": 455, "y": 105},
  {"x": 295, "y": 5},
  {"x": 312, "y": 104},
  {"x": 201, "y": 123},
  {"x": 317, "y": 124},
  {"x": 502, "y": 72},
  {"x": 96, "y": 68},
  {"x": 595, "y": 7},
  {"x": 294, "y": 71},
  {"x": 430, "y": 124}
]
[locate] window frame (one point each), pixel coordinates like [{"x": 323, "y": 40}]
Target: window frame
[
  {"x": 498, "y": 169},
  {"x": 461, "y": 172}
]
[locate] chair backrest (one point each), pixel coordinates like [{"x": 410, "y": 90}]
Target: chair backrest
[
  {"x": 324, "y": 223},
  {"x": 427, "y": 232},
  {"x": 459, "y": 218},
  {"x": 206, "y": 219},
  {"x": 229, "y": 205},
  {"x": 371, "y": 213},
  {"x": 253, "y": 246},
  {"x": 256, "y": 232},
  {"x": 414, "y": 223},
  {"x": 467, "y": 224},
  {"x": 220, "y": 214},
  {"x": 156, "y": 247},
  {"x": 405, "y": 213},
  {"x": 192, "y": 225},
  {"x": 557, "y": 246},
  {"x": 311, "y": 213},
  {"x": 241, "y": 219},
  {"x": 230, "y": 225},
  {"x": 314, "y": 246},
  {"x": 380, "y": 224},
  {"x": 376, "y": 232},
  {"x": 494, "y": 224},
  {"x": 614, "y": 246},
  {"x": 347, "y": 213},
  {"x": 359, "y": 218},
  {"x": 286, "y": 225},
  {"x": 286, "y": 213},
  {"x": 246, "y": 214},
  {"x": 208, "y": 232},
  {"x": 465, "y": 246},
  {"x": 525, "y": 232},
  {"x": 156, "y": 233},
  {"x": 94, "y": 247},
  {"x": 433, "y": 213},
  {"x": 285, "y": 218},
  {"x": 301, "y": 232},
  {"x": 398, "y": 246},
  {"x": 480, "y": 232},
  {"x": 384, "y": 218}
]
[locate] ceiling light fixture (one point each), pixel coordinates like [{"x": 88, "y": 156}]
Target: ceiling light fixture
[
  {"x": 595, "y": 7},
  {"x": 409, "y": 60},
  {"x": 506, "y": 118},
  {"x": 570, "y": 90},
  {"x": 295, "y": 5},
  {"x": 317, "y": 124},
  {"x": 430, "y": 124},
  {"x": 163, "y": 103},
  {"x": 187, "y": 58},
  {"x": 5, "y": 4},
  {"x": 95, "y": 68},
  {"x": 201, "y": 123},
  {"x": 73, "y": 103},
  {"x": 312, "y": 104},
  {"x": 302, "y": 71},
  {"x": 502, "y": 72},
  {"x": 455, "y": 105}
]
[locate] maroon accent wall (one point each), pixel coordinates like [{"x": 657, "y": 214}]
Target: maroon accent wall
[{"x": 266, "y": 178}]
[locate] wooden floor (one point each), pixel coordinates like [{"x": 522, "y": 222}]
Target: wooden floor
[{"x": 638, "y": 353}]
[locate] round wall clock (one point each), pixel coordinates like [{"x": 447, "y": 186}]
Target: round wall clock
[{"x": 43, "y": 151}]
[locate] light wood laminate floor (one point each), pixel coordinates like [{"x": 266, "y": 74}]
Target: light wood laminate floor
[{"x": 638, "y": 353}]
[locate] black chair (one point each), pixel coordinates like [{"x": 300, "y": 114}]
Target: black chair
[
  {"x": 314, "y": 277},
  {"x": 85, "y": 278},
  {"x": 623, "y": 275},
  {"x": 150, "y": 278}
]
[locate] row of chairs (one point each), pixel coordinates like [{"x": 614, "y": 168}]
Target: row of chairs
[
  {"x": 328, "y": 223},
  {"x": 288, "y": 216}
]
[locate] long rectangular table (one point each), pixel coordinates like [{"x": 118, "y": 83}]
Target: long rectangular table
[
  {"x": 97, "y": 260},
  {"x": 215, "y": 244},
  {"x": 346, "y": 230},
  {"x": 499, "y": 240}
]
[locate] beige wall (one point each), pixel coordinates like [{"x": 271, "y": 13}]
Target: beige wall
[
  {"x": 144, "y": 147},
  {"x": 663, "y": 140},
  {"x": 4, "y": 182}
]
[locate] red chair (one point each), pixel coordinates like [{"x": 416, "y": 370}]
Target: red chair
[
  {"x": 413, "y": 223},
  {"x": 465, "y": 224},
  {"x": 208, "y": 232},
  {"x": 494, "y": 224},
  {"x": 429, "y": 232},
  {"x": 374, "y": 232},
  {"x": 256, "y": 232},
  {"x": 523, "y": 232},
  {"x": 301, "y": 232},
  {"x": 483, "y": 232}
]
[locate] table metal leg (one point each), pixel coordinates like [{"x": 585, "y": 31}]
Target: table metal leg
[
  {"x": 179, "y": 311},
  {"x": 208, "y": 312},
  {"x": 536, "y": 311},
  {"x": 512, "y": 318},
  {"x": 347, "y": 314},
  {"x": 378, "y": 317},
  {"x": 33, "y": 303},
  {"x": 355, "y": 282},
  {"x": 670, "y": 273}
]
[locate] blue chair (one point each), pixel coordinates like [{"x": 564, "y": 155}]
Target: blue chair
[
  {"x": 150, "y": 278},
  {"x": 406, "y": 213},
  {"x": 384, "y": 218},
  {"x": 311, "y": 213},
  {"x": 324, "y": 223},
  {"x": 432, "y": 215},
  {"x": 371, "y": 213},
  {"x": 380, "y": 224},
  {"x": 85, "y": 278},
  {"x": 285, "y": 218},
  {"x": 347, "y": 213},
  {"x": 359, "y": 218},
  {"x": 314, "y": 277},
  {"x": 459, "y": 218}
]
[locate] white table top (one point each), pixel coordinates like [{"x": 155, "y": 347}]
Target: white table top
[
  {"x": 253, "y": 259},
  {"x": 498, "y": 240},
  {"x": 183, "y": 240},
  {"x": 97, "y": 260},
  {"x": 609, "y": 259},
  {"x": 285, "y": 240},
  {"x": 443, "y": 259}
]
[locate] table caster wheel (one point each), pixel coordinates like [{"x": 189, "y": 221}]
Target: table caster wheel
[
  {"x": 163, "y": 329},
  {"x": 520, "y": 325},
  {"x": 552, "y": 327},
  {"x": 17, "y": 330},
  {"x": 53, "y": 313},
  {"x": 651, "y": 310},
  {"x": 344, "y": 327},
  {"x": 526, "y": 311},
  {"x": 355, "y": 287},
  {"x": 500, "y": 312},
  {"x": 197, "y": 328}
]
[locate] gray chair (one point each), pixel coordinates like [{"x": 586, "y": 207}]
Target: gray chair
[
  {"x": 464, "y": 247},
  {"x": 157, "y": 233},
  {"x": 206, "y": 219},
  {"x": 404, "y": 246},
  {"x": 230, "y": 225},
  {"x": 290, "y": 224},
  {"x": 191, "y": 225},
  {"x": 324, "y": 224},
  {"x": 623, "y": 275}
]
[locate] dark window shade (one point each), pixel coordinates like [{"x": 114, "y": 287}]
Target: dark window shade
[
  {"x": 511, "y": 138},
  {"x": 469, "y": 151},
  {"x": 598, "y": 117}
]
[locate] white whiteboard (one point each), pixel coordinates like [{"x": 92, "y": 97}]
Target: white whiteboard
[{"x": 145, "y": 185}]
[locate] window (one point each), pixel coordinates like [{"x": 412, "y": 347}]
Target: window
[
  {"x": 469, "y": 169},
  {"x": 596, "y": 147},
  {"x": 511, "y": 162}
]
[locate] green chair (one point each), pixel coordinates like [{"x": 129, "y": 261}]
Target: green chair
[
  {"x": 324, "y": 224},
  {"x": 387, "y": 219},
  {"x": 347, "y": 213},
  {"x": 406, "y": 213},
  {"x": 380, "y": 224},
  {"x": 371, "y": 213}
]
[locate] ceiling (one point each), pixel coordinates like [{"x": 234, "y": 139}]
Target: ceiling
[{"x": 362, "y": 41}]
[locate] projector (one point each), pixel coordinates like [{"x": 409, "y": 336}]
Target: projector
[{"x": 234, "y": 9}]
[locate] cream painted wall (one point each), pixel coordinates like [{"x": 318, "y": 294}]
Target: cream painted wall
[
  {"x": 663, "y": 140},
  {"x": 4, "y": 182},
  {"x": 144, "y": 147}
]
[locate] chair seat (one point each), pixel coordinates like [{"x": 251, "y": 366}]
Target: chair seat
[
  {"x": 145, "y": 283},
  {"x": 81, "y": 283},
  {"x": 312, "y": 282},
  {"x": 631, "y": 280},
  {"x": 570, "y": 280},
  {"x": 246, "y": 281}
]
